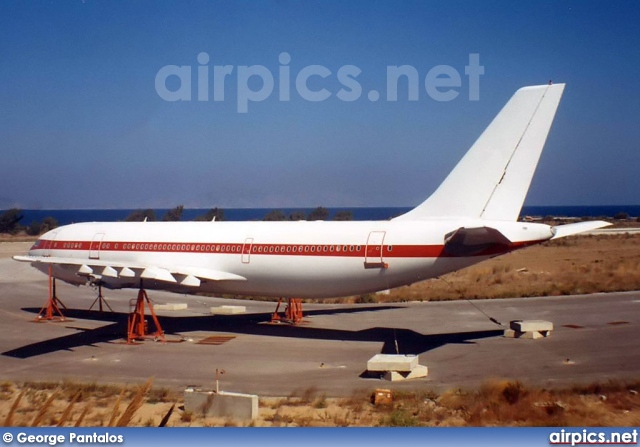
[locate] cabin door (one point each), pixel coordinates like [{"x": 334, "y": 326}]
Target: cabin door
[
  {"x": 94, "y": 248},
  {"x": 246, "y": 250},
  {"x": 49, "y": 246},
  {"x": 373, "y": 255}
]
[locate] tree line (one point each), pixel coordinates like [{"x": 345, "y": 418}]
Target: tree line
[
  {"x": 320, "y": 213},
  {"x": 11, "y": 223},
  {"x": 175, "y": 214}
]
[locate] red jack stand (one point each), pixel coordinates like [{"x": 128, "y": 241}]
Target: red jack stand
[
  {"x": 292, "y": 313},
  {"x": 100, "y": 300},
  {"x": 137, "y": 327},
  {"x": 51, "y": 310}
]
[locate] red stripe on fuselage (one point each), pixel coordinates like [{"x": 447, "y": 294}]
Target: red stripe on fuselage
[{"x": 388, "y": 251}]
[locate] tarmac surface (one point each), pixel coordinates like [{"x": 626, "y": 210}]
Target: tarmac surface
[{"x": 595, "y": 338}]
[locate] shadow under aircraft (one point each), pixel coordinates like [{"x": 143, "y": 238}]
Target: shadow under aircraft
[{"x": 394, "y": 340}]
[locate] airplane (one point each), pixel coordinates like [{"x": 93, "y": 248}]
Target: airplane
[{"x": 471, "y": 217}]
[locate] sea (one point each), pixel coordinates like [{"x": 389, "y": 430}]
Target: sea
[{"x": 65, "y": 217}]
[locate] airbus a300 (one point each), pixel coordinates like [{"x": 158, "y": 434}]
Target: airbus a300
[{"x": 471, "y": 217}]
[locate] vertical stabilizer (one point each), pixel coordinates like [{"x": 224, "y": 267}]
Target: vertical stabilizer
[{"x": 492, "y": 179}]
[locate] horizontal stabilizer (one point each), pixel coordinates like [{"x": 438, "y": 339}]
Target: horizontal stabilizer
[
  {"x": 471, "y": 241},
  {"x": 577, "y": 228}
]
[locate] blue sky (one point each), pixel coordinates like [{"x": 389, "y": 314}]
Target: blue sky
[{"x": 82, "y": 125}]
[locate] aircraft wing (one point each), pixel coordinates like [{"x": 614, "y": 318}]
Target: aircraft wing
[{"x": 96, "y": 268}]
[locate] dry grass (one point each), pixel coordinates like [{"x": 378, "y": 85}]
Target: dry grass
[
  {"x": 116, "y": 409},
  {"x": 43, "y": 409},
  {"x": 496, "y": 403},
  {"x": 82, "y": 416},
  {"x": 66, "y": 414},
  {"x": 8, "y": 420},
  {"x": 134, "y": 405},
  {"x": 53, "y": 403}
]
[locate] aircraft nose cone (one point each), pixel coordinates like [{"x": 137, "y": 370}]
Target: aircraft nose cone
[{"x": 34, "y": 247}]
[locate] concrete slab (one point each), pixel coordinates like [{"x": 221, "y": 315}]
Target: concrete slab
[
  {"x": 531, "y": 335},
  {"x": 237, "y": 406},
  {"x": 531, "y": 325},
  {"x": 531, "y": 329},
  {"x": 228, "y": 310},
  {"x": 171, "y": 306},
  {"x": 392, "y": 362}
]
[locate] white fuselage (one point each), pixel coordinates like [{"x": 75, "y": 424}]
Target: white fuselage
[{"x": 282, "y": 259}]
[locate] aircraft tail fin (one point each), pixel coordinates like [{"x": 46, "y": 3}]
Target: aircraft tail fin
[{"x": 491, "y": 181}]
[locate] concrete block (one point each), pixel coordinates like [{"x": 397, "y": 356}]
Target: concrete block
[
  {"x": 392, "y": 362},
  {"x": 509, "y": 333},
  {"x": 235, "y": 406},
  {"x": 531, "y": 325},
  {"x": 228, "y": 310},
  {"x": 170, "y": 306},
  {"x": 417, "y": 372},
  {"x": 533, "y": 335}
]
